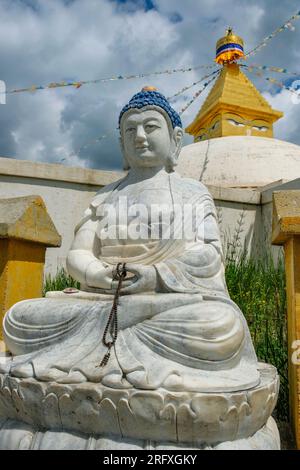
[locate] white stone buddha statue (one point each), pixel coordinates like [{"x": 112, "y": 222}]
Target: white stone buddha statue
[{"x": 177, "y": 327}]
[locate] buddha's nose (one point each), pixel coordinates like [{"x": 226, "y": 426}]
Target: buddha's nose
[{"x": 140, "y": 134}]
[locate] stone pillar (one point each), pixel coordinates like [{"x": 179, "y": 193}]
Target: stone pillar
[
  {"x": 286, "y": 232},
  {"x": 26, "y": 230}
]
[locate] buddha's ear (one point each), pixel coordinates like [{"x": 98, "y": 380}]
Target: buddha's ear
[
  {"x": 126, "y": 165},
  {"x": 176, "y": 145},
  {"x": 177, "y": 140}
]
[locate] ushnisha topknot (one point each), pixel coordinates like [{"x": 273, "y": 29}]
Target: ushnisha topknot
[{"x": 149, "y": 96}]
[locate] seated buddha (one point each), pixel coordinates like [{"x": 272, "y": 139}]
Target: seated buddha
[{"x": 177, "y": 326}]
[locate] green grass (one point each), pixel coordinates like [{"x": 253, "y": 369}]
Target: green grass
[
  {"x": 258, "y": 288},
  {"x": 60, "y": 282}
]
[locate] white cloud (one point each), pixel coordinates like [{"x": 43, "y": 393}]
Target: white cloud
[
  {"x": 286, "y": 128},
  {"x": 53, "y": 40}
]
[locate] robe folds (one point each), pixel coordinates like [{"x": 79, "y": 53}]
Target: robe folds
[{"x": 186, "y": 336}]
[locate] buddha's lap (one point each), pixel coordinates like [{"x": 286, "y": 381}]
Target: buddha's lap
[{"x": 182, "y": 313}]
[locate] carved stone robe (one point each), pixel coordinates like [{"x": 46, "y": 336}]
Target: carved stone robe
[{"x": 187, "y": 336}]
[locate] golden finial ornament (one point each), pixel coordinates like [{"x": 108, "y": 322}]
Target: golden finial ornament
[{"x": 229, "y": 48}]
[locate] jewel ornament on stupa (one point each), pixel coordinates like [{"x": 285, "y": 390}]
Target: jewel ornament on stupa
[{"x": 234, "y": 106}]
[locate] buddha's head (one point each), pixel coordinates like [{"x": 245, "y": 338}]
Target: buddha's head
[{"x": 151, "y": 131}]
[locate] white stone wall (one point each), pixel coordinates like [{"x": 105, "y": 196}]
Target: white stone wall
[
  {"x": 65, "y": 204},
  {"x": 245, "y": 215},
  {"x": 66, "y": 191},
  {"x": 239, "y": 224}
]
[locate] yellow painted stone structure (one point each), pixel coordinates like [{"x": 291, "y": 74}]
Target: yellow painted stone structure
[
  {"x": 26, "y": 230},
  {"x": 286, "y": 231},
  {"x": 233, "y": 107}
]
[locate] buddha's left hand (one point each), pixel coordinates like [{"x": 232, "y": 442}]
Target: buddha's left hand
[{"x": 146, "y": 279}]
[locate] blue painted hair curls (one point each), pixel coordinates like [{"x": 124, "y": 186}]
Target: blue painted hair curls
[{"x": 152, "y": 98}]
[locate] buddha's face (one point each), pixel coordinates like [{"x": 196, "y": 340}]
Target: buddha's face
[{"x": 146, "y": 138}]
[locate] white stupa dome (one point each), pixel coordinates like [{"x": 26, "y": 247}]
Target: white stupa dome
[{"x": 240, "y": 161}]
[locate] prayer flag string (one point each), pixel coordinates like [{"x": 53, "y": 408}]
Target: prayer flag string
[
  {"x": 251, "y": 68},
  {"x": 287, "y": 25},
  {"x": 186, "y": 88},
  {"x": 78, "y": 84},
  {"x": 275, "y": 82},
  {"x": 198, "y": 93}
]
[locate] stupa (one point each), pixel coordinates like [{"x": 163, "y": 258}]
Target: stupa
[{"x": 233, "y": 131}]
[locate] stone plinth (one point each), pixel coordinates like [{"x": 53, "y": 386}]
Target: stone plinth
[
  {"x": 193, "y": 420},
  {"x": 26, "y": 230},
  {"x": 286, "y": 231},
  {"x": 20, "y": 436}
]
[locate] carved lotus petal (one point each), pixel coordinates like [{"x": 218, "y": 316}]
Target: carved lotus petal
[{"x": 149, "y": 408}]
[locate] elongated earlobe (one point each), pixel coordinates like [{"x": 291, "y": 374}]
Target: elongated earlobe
[
  {"x": 178, "y": 136},
  {"x": 176, "y": 145},
  {"x": 126, "y": 166}
]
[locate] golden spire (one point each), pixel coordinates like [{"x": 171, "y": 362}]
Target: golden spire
[
  {"x": 229, "y": 48},
  {"x": 234, "y": 106}
]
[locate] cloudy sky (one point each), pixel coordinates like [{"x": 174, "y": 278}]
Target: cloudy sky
[{"x": 43, "y": 41}]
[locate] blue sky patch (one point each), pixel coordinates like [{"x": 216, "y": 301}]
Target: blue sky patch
[
  {"x": 289, "y": 81},
  {"x": 175, "y": 17},
  {"x": 146, "y": 5},
  {"x": 30, "y": 4}
]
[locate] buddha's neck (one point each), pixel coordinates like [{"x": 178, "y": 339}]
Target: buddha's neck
[{"x": 140, "y": 174}]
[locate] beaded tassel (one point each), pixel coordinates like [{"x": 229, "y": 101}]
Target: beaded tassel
[{"x": 112, "y": 322}]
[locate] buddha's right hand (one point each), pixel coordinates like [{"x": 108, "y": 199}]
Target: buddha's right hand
[{"x": 101, "y": 276}]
